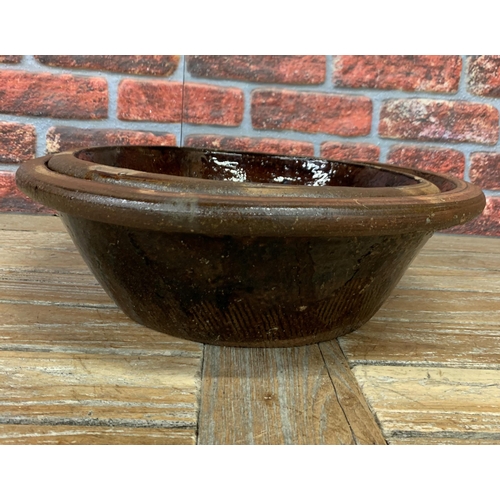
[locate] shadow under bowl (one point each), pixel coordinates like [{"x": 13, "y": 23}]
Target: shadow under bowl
[{"x": 245, "y": 249}]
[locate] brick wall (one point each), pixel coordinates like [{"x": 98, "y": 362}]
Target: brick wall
[{"x": 434, "y": 112}]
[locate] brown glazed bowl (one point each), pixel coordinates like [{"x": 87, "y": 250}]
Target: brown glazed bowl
[{"x": 245, "y": 249}]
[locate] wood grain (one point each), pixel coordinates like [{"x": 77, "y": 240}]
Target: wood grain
[
  {"x": 460, "y": 243},
  {"x": 363, "y": 426},
  {"x": 63, "y": 328},
  {"x": 437, "y": 306},
  {"x": 73, "y": 367},
  {"x": 304, "y": 395},
  {"x": 439, "y": 439},
  {"x": 269, "y": 396},
  {"x": 44, "y": 223},
  {"x": 424, "y": 344},
  {"x": 20, "y": 286},
  {"x": 98, "y": 389},
  {"x": 75, "y": 434},
  {"x": 448, "y": 403},
  {"x": 448, "y": 279},
  {"x": 429, "y": 361},
  {"x": 49, "y": 240}
]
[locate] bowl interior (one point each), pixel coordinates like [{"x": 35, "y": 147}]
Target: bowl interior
[{"x": 246, "y": 167}]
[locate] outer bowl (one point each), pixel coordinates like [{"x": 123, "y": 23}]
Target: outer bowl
[{"x": 245, "y": 249}]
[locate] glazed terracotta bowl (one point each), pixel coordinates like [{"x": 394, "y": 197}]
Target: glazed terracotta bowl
[{"x": 245, "y": 249}]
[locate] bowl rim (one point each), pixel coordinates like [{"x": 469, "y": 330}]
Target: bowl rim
[{"x": 244, "y": 211}]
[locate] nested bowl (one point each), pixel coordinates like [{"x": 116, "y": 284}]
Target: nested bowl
[{"x": 245, "y": 249}]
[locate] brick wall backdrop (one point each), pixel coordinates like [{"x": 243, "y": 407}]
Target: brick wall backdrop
[{"x": 433, "y": 112}]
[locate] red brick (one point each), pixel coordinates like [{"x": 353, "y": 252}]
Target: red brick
[
  {"x": 17, "y": 142},
  {"x": 421, "y": 73},
  {"x": 136, "y": 65},
  {"x": 258, "y": 145},
  {"x": 350, "y": 151},
  {"x": 263, "y": 69},
  {"x": 485, "y": 170},
  {"x": 212, "y": 105},
  {"x": 483, "y": 75},
  {"x": 439, "y": 160},
  {"x": 433, "y": 120},
  {"x": 311, "y": 112},
  {"x": 154, "y": 101},
  {"x": 10, "y": 59},
  {"x": 57, "y": 96},
  {"x": 487, "y": 224},
  {"x": 13, "y": 200},
  {"x": 140, "y": 100},
  {"x": 68, "y": 138}
]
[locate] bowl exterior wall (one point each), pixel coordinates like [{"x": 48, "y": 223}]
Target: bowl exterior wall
[{"x": 244, "y": 291}]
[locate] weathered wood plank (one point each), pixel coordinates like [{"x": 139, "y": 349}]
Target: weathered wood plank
[
  {"x": 462, "y": 253},
  {"x": 449, "y": 279},
  {"x": 39, "y": 287},
  {"x": 42, "y": 260},
  {"x": 98, "y": 389},
  {"x": 439, "y": 439},
  {"x": 40, "y": 251},
  {"x": 67, "y": 328},
  {"x": 452, "y": 259},
  {"x": 49, "y": 240},
  {"x": 73, "y": 367},
  {"x": 419, "y": 388},
  {"x": 363, "y": 426},
  {"x": 461, "y": 243},
  {"x": 437, "y": 306},
  {"x": 269, "y": 396},
  {"x": 424, "y": 344},
  {"x": 44, "y": 223},
  {"x": 432, "y": 422},
  {"x": 75, "y": 434},
  {"x": 442, "y": 402}
]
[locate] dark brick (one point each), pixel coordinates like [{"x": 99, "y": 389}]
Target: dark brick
[
  {"x": 154, "y": 101},
  {"x": 483, "y": 75},
  {"x": 485, "y": 170},
  {"x": 433, "y": 120},
  {"x": 439, "y": 160},
  {"x": 350, "y": 151},
  {"x": 259, "y": 145},
  {"x": 412, "y": 73},
  {"x": 136, "y": 65},
  {"x": 17, "y": 142},
  {"x": 10, "y": 59},
  {"x": 301, "y": 70},
  {"x": 213, "y": 105},
  {"x": 311, "y": 112},
  {"x": 13, "y": 200},
  {"x": 68, "y": 138},
  {"x": 57, "y": 96},
  {"x": 487, "y": 224}
]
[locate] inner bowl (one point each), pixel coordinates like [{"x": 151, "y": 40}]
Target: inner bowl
[
  {"x": 248, "y": 167},
  {"x": 209, "y": 171},
  {"x": 245, "y": 249}
]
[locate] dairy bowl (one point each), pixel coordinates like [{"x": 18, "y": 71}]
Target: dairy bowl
[{"x": 245, "y": 249}]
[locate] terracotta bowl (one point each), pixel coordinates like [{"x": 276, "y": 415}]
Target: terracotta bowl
[{"x": 245, "y": 249}]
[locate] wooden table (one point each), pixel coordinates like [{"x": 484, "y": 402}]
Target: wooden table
[{"x": 75, "y": 369}]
